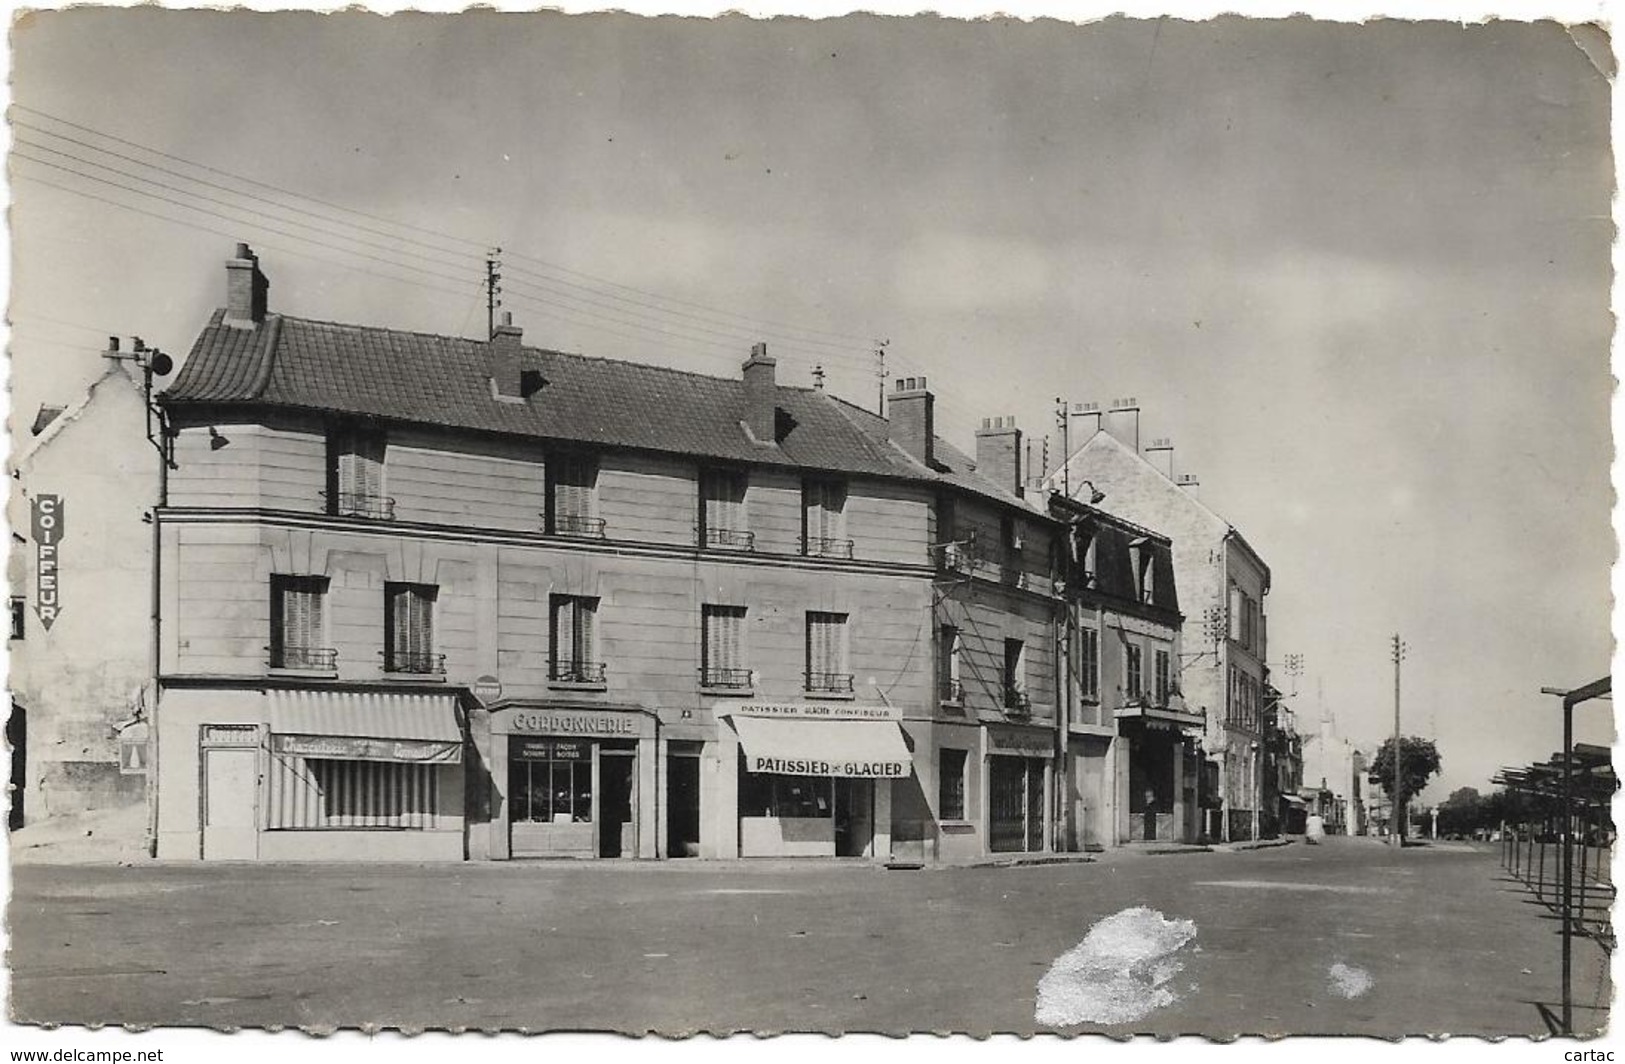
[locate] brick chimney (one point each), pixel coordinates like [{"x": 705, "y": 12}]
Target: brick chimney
[
  {"x": 761, "y": 394},
  {"x": 246, "y": 289},
  {"x": 506, "y": 376},
  {"x": 998, "y": 453},
  {"x": 913, "y": 424}
]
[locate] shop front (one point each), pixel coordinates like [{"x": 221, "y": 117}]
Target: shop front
[
  {"x": 1163, "y": 803},
  {"x": 295, "y": 774},
  {"x": 1019, "y": 777},
  {"x": 572, "y": 781},
  {"x": 815, "y": 780}
]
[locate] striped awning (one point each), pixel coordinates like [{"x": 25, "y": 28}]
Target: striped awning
[{"x": 367, "y": 725}]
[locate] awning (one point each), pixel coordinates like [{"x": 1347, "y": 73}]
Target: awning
[
  {"x": 1292, "y": 799},
  {"x": 856, "y": 749},
  {"x": 366, "y": 725}
]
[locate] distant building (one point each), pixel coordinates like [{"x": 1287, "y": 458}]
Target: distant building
[
  {"x": 433, "y": 598},
  {"x": 80, "y": 633},
  {"x": 1222, "y": 583}
]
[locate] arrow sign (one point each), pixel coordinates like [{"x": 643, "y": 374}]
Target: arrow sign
[{"x": 49, "y": 524}]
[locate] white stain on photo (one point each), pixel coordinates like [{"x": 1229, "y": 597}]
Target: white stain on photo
[
  {"x": 1119, "y": 973},
  {"x": 1348, "y": 981}
]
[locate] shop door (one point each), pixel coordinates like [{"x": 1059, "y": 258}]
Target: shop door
[
  {"x": 1007, "y": 804},
  {"x": 617, "y": 834},
  {"x": 230, "y": 790},
  {"x": 683, "y": 804},
  {"x": 854, "y": 817},
  {"x": 1035, "y": 805}
]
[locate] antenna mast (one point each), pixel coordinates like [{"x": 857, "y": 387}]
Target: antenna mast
[{"x": 493, "y": 290}]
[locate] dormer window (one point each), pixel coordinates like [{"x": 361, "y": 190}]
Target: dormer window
[
  {"x": 1081, "y": 554},
  {"x": 572, "y": 496},
  {"x": 1143, "y": 566},
  {"x": 355, "y": 474}
]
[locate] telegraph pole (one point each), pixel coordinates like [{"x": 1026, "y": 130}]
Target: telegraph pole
[
  {"x": 881, "y": 375},
  {"x": 492, "y": 291},
  {"x": 1399, "y": 649},
  {"x": 1063, "y": 419}
]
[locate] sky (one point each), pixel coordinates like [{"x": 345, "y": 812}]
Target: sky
[{"x": 1358, "y": 273}]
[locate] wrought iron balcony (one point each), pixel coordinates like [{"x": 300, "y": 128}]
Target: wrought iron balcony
[
  {"x": 952, "y": 691},
  {"x": 815, "y": 547},
  {"x": 414, "y": 662},
  {"x": 564, "y": 670},
  {"x": 1017, "y": 703},
  {"x": 734, "y": 679},
  {"x": 729, "y": 539},
  {"x": 372, "y": 507},
  {"x": 830, "y": 683},
  {"x": 957, "y": 557},
  {"x": 314, "y": 659},
  {"x": 578, "y": 525}
]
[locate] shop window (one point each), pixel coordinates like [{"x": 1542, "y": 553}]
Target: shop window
[
  {"x": 1016, "y": 698},
  {"x": 1089, "y": 662},
  {"x": 722, "y": 511},
  {"x": 355, "y": 474},
  {"x": 19, "y": 615},
  {"x": 823, "y": 519},
  {"x": 1134, "y": 685},
  {"x": 950, "y": 681},
  {"x": 1160, "y": 677},
  {"x": 297, "y": 624},
  {"x": 550, "y": 782},
  {"x": 409, "y": 629},
  {"x": 950, "y": 784},
  {"x": 827, "y": 671},
  {"x": 314, "y": 793},
  {"x": 785, "y": 797},
  {"x": 572, "y": 496},
  {"x": 721, "y": 648},
  {"x": 573, "y": 640}
]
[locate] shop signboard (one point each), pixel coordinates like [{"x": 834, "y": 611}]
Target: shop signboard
[
  {"x": 814, "y": 711},
  {"x": 50, "y": 520},
  {"x": 1028, "y": 742},
  {"x": 551, "y": 750},
  {"x": 588, "y": 723},
  {"x": 356, "y": 748}
]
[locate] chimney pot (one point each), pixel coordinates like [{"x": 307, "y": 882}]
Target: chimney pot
[{"x": 911, "y": 421}]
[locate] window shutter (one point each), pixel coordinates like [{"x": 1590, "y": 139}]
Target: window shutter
[
  {"x": 422, "y": 621},
  {"x": 585, "y": 614}
]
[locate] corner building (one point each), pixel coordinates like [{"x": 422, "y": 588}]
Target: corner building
[{"x": 432, "y": 598}]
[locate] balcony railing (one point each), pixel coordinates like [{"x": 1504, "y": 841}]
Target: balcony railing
[
  {"x": 578, "y": 525},
  {"x": 815, "y": 547},
  {"x": 829, "y": 683},
  {"x": 728, "y": 539},
  {"x": 566, "y": 671},
  {"x": 734, "y": 679},
  {"x": 957, "y": 557},
  {"x": 314, "y": 659},
  {"x": 953, "y": 691},
  {"x": 414, "y": 662},
  {"x": 1017, "y": 703},
  {"x": 372, "y": 507}
]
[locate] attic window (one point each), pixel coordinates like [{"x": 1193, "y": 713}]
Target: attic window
[{"x": 1145, "y": 570}]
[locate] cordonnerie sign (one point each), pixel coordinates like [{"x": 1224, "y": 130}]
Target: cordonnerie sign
[{"x": 790, "y": 766}]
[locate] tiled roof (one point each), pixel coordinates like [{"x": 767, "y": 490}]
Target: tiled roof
[{"x": 445, "y": 381}]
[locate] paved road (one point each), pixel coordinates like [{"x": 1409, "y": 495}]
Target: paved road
[{"x": 1448, "y": 945}]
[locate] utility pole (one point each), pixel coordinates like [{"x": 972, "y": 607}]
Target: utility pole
[
  {"x": 1397, "y": 823},
  {"x": 1063, "y": 419},
  {"x": 492, "y": 291},
  {"x": 881, "y": 375}
]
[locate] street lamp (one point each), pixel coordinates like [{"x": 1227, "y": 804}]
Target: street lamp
[{"x": 1258, "y": 787}]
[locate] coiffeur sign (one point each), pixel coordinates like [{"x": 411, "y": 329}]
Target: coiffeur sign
[{"x": 49, "y": 524}]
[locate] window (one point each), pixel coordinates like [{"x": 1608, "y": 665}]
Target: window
[
  {"x": 823, "y": 519},
  {"x": 950, "y": 684},
  {"x": 573, "y": 638},
  {"x": 355, "y": 474},
  {"x": 19, "y": 615},
  {"x": 1143, "y": 568},
  {"x": 1159, "y": 665},
  {"x": 297, "y": 624},
  {"x": 1089, "y": 662},
  {"x": 786, "y": 797},
  {"x": 950, "y": 784},
  {"x": 1015, "y": 676},
  {"x": 1081, "y": 546},
  {"x": 947, "y": 520},
  {"x": 409, "y": 629},
  {"x": 722, "y": 510},
  {"x": 316, "y": 793},
  {"x": 550, "y": 781},
  {"x": 1132, "y": 667},
  {"x": 721, "y": 647},
  {"x": 1232, "y": 698},
  {"x": 826, "y": 654},
  {"x": 572, "y": 496},
  {"x": 1235, "y": 613}
]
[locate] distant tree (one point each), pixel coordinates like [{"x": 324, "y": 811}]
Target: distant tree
[
  {"x": 1418, "y": 763},
  {"x": 1459, "y": 814}
]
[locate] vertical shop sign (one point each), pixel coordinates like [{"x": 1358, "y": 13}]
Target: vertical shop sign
[{"x": 49, "y": 524}]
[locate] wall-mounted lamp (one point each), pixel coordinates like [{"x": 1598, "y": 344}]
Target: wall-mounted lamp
[
  {"x": 1095, "y": 494},
  {"x": 216, "y": 441}
]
